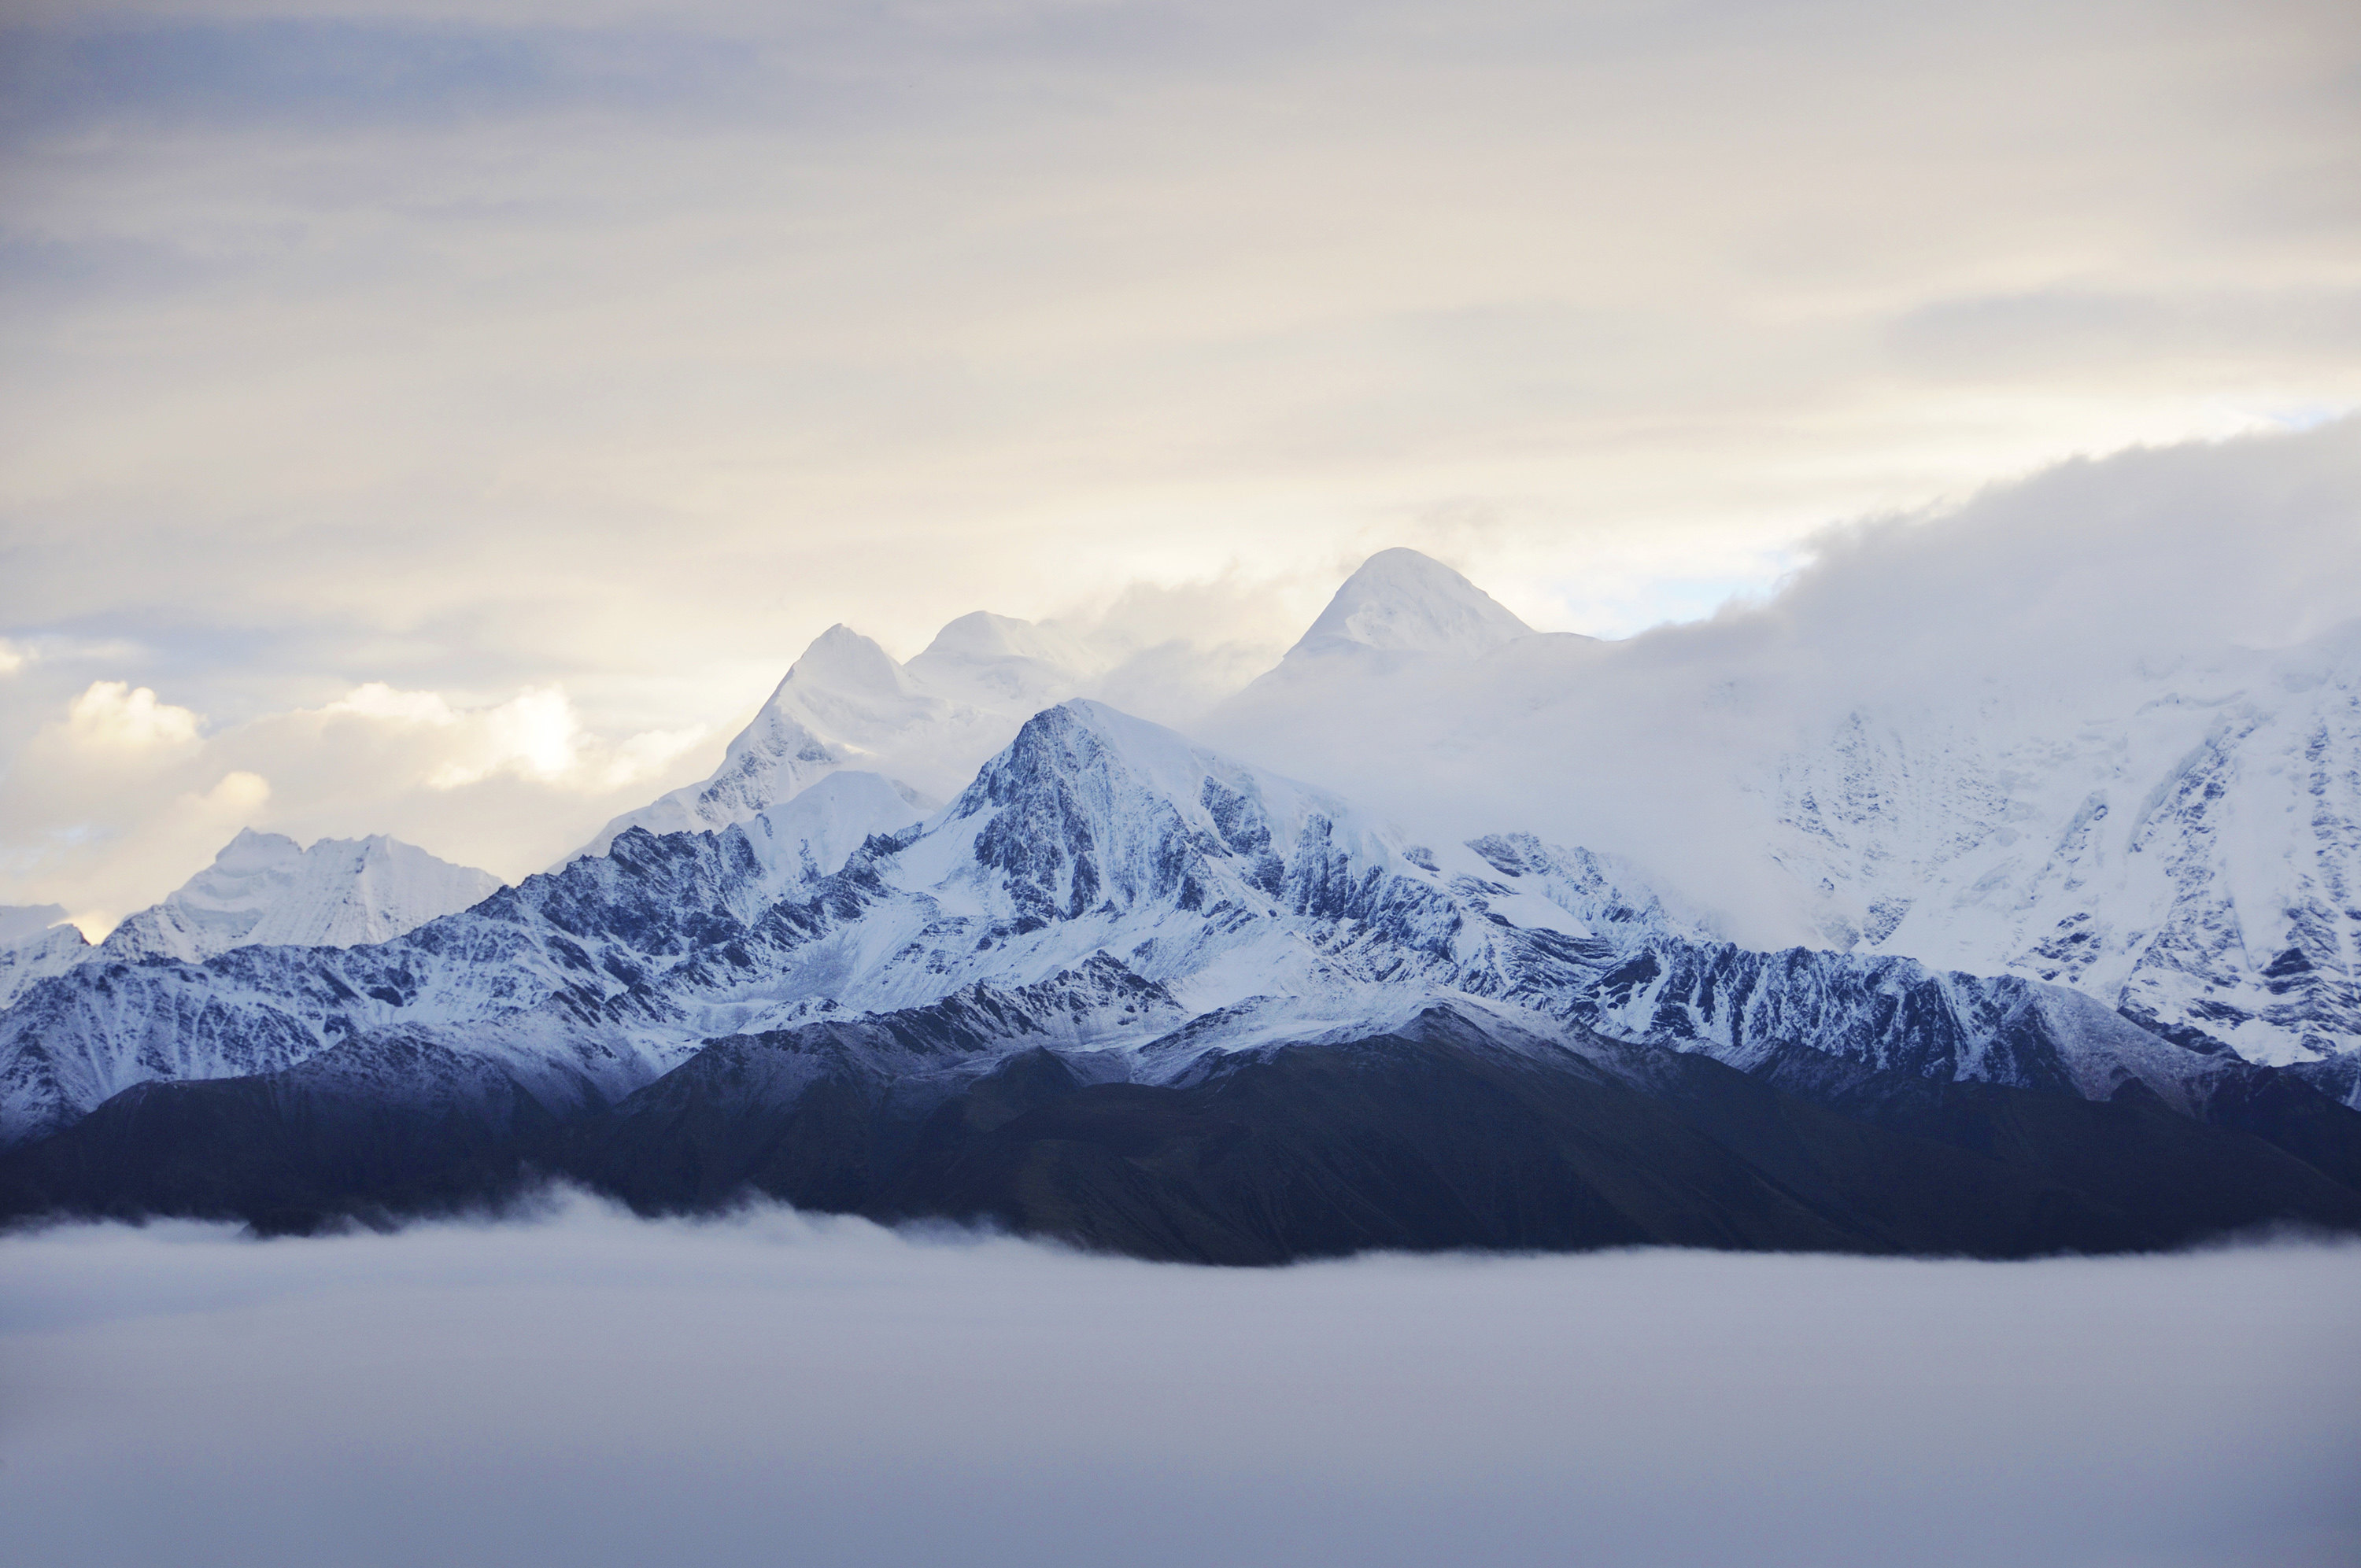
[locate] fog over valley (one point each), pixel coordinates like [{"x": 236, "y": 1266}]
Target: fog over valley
[{"x": 592, "y": 1389}]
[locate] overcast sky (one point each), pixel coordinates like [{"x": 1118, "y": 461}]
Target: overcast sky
[{"x": 508, "y": 390}]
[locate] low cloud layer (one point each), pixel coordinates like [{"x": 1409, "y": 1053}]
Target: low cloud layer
[{"x": 593, "y": 1389}]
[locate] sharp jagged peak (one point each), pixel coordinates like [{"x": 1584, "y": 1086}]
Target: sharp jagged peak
[
  {"x": 928, "y": 723},
  {"x": 1405, "y": 602},
  {"x": 1090, "y": 796},
  {"x": 1084, "y": 735},
  {"x": 1104, "y": 763}
]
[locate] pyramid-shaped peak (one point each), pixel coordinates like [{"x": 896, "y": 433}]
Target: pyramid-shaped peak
[
  {"x": 841, "y": 659},
  {"x": 1404, "y": 601},
  {"x": 250, "y": 850},
  {"x": 1084, "y": 751},
  {"x": 1085, "y": 736}
]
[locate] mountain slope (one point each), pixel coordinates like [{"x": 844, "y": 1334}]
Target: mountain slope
[
  {"x": 928, "y": 724},
  {"x": 846, "y": 704},
  {"x": 35, "y": 941},
  {"x": 1445, "y": 1130},
  {"x": 2180, "y": 840},
  {"x": 265, "y": 889},
  {"x": 1094, "y": 837},
  {"x": 2195, "y": 861}
]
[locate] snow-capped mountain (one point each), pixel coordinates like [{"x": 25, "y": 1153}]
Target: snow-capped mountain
[
  {"x": 1000, "y": 664},
  {"x": 928, "y": 724},
  {"x": 261, "y": 889},
  {"x": 843, "y": 683},
  {"x": 1408, "y": 603},
  {"x": 2080, "y": 968},
  {"x": 550, "y": 978},
  {"x": 846, "y": 703},
  {"x": 2193, "y": 857},
  {"x": 1401, "y": 601},
  {"x": 1246, "y": 905},
  {"x": 2177, "y": 842},
  {"x": 1148, "y": 913},
  {"x": 35, "y": 941},
  {"x": 265, "y": 889}
]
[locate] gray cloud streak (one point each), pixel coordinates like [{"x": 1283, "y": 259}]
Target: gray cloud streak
[{"x": 596, "y": 1389}]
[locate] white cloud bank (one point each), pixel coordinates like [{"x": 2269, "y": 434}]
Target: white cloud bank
[
  {"x": 119, "y": 799},
  {"x": 2074, "y": 602},
  {"x": 598, "y": 1390},
  {"x": 2061, "y": 594}
]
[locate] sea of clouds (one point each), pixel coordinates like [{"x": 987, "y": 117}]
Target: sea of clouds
[{"x": 587, "y": 1388}]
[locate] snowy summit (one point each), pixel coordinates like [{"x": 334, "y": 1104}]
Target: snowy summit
[
  {"x": 1403, "y": 602},
  {"x": 264, "y": 888}
]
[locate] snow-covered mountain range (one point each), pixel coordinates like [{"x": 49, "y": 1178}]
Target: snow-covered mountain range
[
  {"x": 2193, "y": 858},
  {"x": 263, "y": 888},
  {"x": 2181, "y": 843},
  {"x": 2148, "y": 915},
  {"x": 847, "y": 703}
]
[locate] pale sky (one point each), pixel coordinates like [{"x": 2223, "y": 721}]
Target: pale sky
[{"x": 469, "y": 410}]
